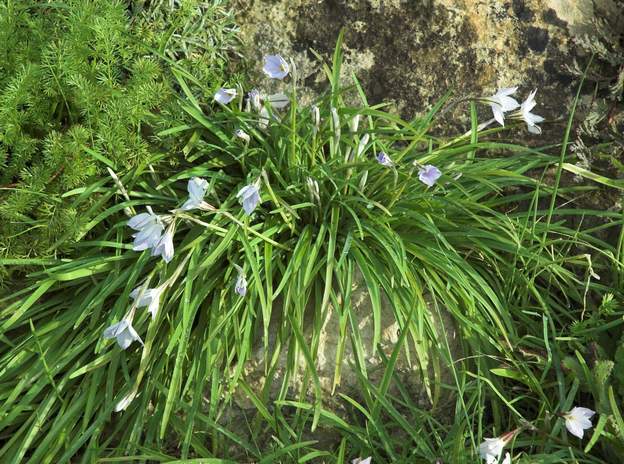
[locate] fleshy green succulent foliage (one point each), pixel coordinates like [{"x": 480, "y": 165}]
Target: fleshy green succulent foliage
[{"x": 85, "y": 84}]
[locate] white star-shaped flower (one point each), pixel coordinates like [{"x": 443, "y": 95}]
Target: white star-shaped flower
[
  {"x": 225, "y": 96},
  {"x": 501, "y": 102},
  {"x": 577, "y": 420},
  {"x": 531, "y": 119}
]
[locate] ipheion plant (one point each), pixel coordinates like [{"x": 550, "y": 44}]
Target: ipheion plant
[
  {"x": 502, "y": 102},
  {"x": 156, "y": 232},
  {"x": 577, "y": 420}
]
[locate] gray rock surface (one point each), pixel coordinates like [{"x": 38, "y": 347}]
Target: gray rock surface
[{"x": 410, "y": 53}]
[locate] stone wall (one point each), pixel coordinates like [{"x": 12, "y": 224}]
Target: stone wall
[{"x": 410, "y": 53}]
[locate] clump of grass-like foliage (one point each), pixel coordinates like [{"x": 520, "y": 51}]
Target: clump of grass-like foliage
[
  {"x": 484, "y": 246},
  {"x": 84, "y": 84}
]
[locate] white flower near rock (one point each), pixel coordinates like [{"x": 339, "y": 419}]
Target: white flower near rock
[
  {"x": 123, "y": 332},
  {"x": 531, "y": 120},
  {"x": 501, "y": 102},
  {"x": 578, "y": 420},
  {"x": 164, "y": 247},
  {"x": 275, "y": 67},
  {"x": 249, "y": 197},
  {"x": 150, "y": 298},
  {"x": 242, "y": 135},
  {"x": 150, "y": 228},
  {"x": 197, "y": 190},
  {"x": 225, "y": 96}
]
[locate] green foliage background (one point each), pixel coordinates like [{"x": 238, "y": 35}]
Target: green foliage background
[{"x": 84, "y": 84}]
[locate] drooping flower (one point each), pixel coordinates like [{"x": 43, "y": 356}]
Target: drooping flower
[
  {"x": 429, "y": 174},
  {"x": 241, "y": 134},
  {"x": 384, "y": 159},
  {"x": 275, "y": 67},
  {"x": 123, "y": 332},
  {"x": 249, "y": 197},
  {"x": 254, "y": 98},
  {"x": 164, "y": 247},
  {"x": 491, "y": 449},
  {"x": 197, "y": 190},
  {"x": 367, "y": 460},
  {"x": 577, "y": 420},
  {"x": 531, "y": 119},
  {"x": 225, "y": 96},
  {"x": 241, "y": 284},
  {"x": 316, "y": 117},
  {"x": 501, "y": 102},
  {"x": 150, "y": 228},
  {"x": 150, "y": 298}
]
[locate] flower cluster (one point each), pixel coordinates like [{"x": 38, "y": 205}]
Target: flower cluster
[
  {"x": 155, "y": 232},
  {"x": 502, "y": 102},
  {"x": 577, "y": 420}
]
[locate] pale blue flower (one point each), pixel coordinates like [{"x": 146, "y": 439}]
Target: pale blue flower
[
  {"x": 225, "y": 96},
  {"x": 241, "y": 284},
  {"x": 197, "y": 190},
  {"x": 384, "y": 159},
  {"x": 150, "y": 229},
  {"x": 275, "y": 67},
  {"x": 123, "y": 332},
  {"x": 249, "y": 197},
  {"x": 164, "y": 247},
  {"x": 429, "y": 174},
  {"x": 150, "y": 299}
]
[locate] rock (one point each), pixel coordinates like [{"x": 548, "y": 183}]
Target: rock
[
  {"x": 409, "y": 369},
  {"x": 410, "y": 53}
]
